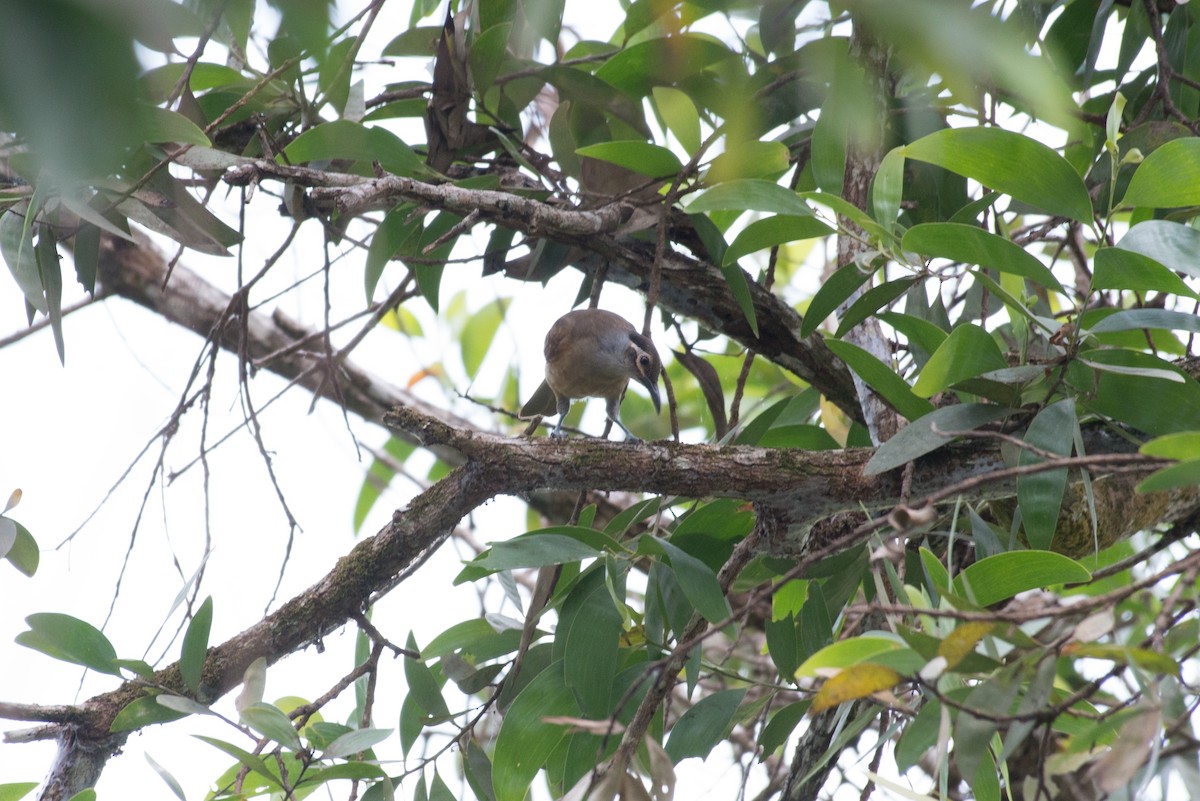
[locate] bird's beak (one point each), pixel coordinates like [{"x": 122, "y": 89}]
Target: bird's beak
[{"x": 654, "y": 396}]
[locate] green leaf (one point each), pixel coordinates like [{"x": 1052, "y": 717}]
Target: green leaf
[
  {"x": 195, "y": 645},
  {"x": 478, "y": 770},
  {"x": 142, "y": 712},
  {"x": 423, "y": 686},
  {"x": 805, "y": 437},
  {"x": 587, "y": 637},
  {"x": 254, "y": 683},
  {"x": 1139, "y": 389},
  {"x": 536, "y": 550},
  {"x": 1183, "y": 445},
  {"x": 438, "y": 791},
  {"x": 24, "y": 553},
  {"x": 1126, "y": 655},
  {"x": 1000, "y": 577},
  {"x": 166, "y": 207},
  {"x": 86, "y": 256},
  {"x": 710, "y": 530},
  {"x": 871, "y": 301},
  {"x": 15, "y": 791},
  {"x": 1039, "y": 496},
  {"x": 969, "y": 351},
  {"x": 973, "y": 245},
  {"x": 353, "y": 742},
  {"x": 750, "y": 194},
  {"x": 740, "y": 287},
  {"x": 71, "y": 640},
  {"x": 359, "y": 771},
  {"x": 780, "y": 727},
  {"x": 136, "y": 666},
  {"x": 832, "y": 294},
  {"x": 343, "y": 139},
  {"x": 783, "y": 642},
  {"x": 921, "y": 334},
  {"x": 844, "y": 653},
  {"x": 8, "y": 535},
  {"x": 1011, "y": 163},
  {"x": 749, "y": 159},
  {"x": 378, "y": 476},
  {"x": 705, "y": 724},
  {"x": 1169, "y": 177},
  {"x": 888, "y": 187},
  {"x": 249, "y": 760},
  {"x": 429, "y": 276},
  {"x": 698, "y": 582},
  {"x": 478, "y": 333},
  {"x": 399, "y": 226},
  {"x": 973, "y": 735},
  {"x": 788, "y": 598},
  {"x": 51, "y": 270},
  {"x": 662, "y": 61},
  {"x": 475, "y": 637},
  {"x": 846, "y": 209},
  {"x": 488, "y": 52},
  {"x": 882, "y": 378},
  {"x": 1172, "y": 244},
  {"x": 1015, "y": 306},
  {"x": 160, "y": 125},
  {"x": 679, "y": 115},
  {"x": 772, "y": 231},
  {"x": 829, "y": 146},
  {"x": 270, "y": 721},
  {"x": 919, "y": 735},
  {"x": 918, "y": 437},
  {"x": 16, "y": 245},
  {"x": 166, "y": 776},
  {"x": 1184, "y": 474},
  {"x": 419, "y": 40},
  {"x": 653, "y": 161},
  {"x": 525, "y": 740},
  {"x": 1137, "y": 319},
  {"x": 181, "y": 704},
  {"x": 936, "y": 572},
  {"x": 1117, "y": 268}
]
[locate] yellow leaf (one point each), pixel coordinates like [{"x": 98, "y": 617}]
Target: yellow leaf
[
  {"x": 962, "y": 641},
  {"x": 835, "y": 421},
  {"x": 856, "y": 681}
]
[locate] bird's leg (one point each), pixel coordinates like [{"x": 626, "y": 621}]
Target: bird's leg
[
  {"x": 564, "y": 406},
  {"x": 612, "y": 407}
]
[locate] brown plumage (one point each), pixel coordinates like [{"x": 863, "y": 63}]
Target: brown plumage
[{"x": 593, "y": 353}]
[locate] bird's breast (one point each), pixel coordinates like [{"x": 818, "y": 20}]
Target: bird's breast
[{"x": 586, "y": 378}]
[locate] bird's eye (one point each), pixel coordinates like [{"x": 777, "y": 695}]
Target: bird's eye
[{"x": 644, "y": 361}]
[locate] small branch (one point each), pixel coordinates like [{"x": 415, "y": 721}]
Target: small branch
[
  {"x": 41, "y": 714},
  {"x": 689, "y": 287}
]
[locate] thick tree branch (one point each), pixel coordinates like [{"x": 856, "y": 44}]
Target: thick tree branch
[
  {"x": 137, "y": 272},
  {"x": 690, "y": 287}
]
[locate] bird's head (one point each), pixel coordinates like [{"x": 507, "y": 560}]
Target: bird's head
[{"x": 645, "y": 366}]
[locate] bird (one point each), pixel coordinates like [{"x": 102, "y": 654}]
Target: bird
[{"x": 593, "y": 353}]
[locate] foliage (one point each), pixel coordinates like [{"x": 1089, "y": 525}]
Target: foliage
[{"x": 1010, "y": 189}]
